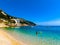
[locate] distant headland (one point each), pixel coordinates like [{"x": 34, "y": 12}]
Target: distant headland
[{"x": 10, "y": 21}]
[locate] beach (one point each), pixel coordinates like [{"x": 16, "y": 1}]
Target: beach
[
  {"x": 27, "y": 36},
  {"x": 6, "y": 39}
]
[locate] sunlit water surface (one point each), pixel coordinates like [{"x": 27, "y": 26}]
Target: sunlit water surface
[{"x": 38, "y": 35}]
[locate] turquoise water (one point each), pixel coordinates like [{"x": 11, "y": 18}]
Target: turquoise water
[{"x": 38, "y": 35}]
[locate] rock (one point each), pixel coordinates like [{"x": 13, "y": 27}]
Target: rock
[{"x": 14, "y": 21}]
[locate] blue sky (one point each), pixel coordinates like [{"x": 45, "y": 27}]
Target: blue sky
[{"x": 38, "y": 11}]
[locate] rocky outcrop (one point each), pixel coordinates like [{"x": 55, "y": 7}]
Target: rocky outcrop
[{"x": 8, "y": 20}]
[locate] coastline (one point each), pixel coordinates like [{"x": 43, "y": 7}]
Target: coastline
[{"x": 6, "y": 39}]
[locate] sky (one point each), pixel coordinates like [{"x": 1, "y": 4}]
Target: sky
[{"x": 44, "y": 12}]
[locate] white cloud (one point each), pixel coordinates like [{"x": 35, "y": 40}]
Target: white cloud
[{"x": 54, "y": 22}]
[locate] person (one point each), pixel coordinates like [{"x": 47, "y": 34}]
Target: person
[{"x": 36, "y": 33}]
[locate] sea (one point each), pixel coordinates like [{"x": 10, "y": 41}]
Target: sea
[{"x": 36, "y": 35}]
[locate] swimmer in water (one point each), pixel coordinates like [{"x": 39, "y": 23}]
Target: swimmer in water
[{"x": 36, "y": 33}]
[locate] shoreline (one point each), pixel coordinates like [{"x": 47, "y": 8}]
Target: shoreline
[{"x": 6, "y": 39}]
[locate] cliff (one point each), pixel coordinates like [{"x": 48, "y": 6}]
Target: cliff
[{"x": 10, "y": 21}]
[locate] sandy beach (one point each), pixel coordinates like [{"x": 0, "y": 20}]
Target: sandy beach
[{"x": 6, "y": 39}]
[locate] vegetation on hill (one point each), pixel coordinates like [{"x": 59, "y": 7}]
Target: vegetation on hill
[{"x": 14, "y": 21}]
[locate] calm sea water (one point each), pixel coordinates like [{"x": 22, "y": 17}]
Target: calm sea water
[{"x": 38, "y": 35}]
